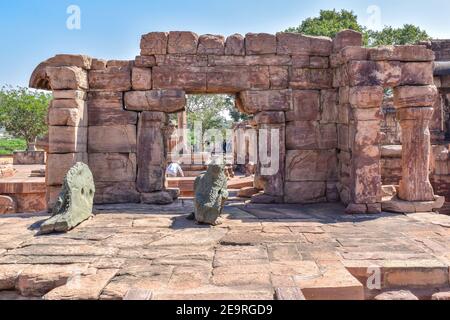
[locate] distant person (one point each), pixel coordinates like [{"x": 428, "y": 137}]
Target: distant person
[{"x": 173, "y": 170}]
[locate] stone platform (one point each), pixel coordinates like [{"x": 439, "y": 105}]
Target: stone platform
[
  {"x": 260, "y": 252},
  {"x": 28, "y": 191}
]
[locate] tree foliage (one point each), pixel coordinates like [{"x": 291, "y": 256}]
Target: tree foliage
[
  {"x": 408, "y": 34},
  {"x": 23, "y": 112},
  {"x": 214, "y": 111},
  {"x": 330, "y": 22}
]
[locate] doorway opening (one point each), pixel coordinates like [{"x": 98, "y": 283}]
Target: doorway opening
[{"x": 207, "y": 130}]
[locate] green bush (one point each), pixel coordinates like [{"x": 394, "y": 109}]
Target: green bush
[{"x": 8, "y": 146}]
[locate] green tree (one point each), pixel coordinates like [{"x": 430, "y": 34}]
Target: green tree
[
  {"x": 408, "y": 34},
  {"x": 23, "y": 113},
  {"x": 329, "y": 23},
  {"x": 211, "y": 110}
]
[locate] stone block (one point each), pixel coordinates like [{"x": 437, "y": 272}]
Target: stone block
[
  {"x": 310, "y": 135},
  {"x": 305, "y": 192},
  {"x": 366, "y": 173},
  {"x": 157, "y": 198},
  {"x": 279, "y": 77},
  {"x": 235, "y": 45},
  {"x": 105, "y": 100},
  {"x": 329, "y": 106},
  {"x": 182, "y": 60},
  {"x": 306, "y": 106},
  {"x": 98, "y": 64},
  {"x": 366, "y": 96},
  {"x": 415, "y": 96},
  {"x": 113, "y": 167},
  {"x": 366, "y": 114},
  {"x": 141, "y": 78},
  {"x": 399, "y": 295},
  {"x": 169, "y": 101},
  {"x": 211, "y": 44},
  {"x": 319, "y": 62},
  {"x": 302, "y": 78},
  {"x": 296, "y": 43},
  {"x": 28, "y": 157},
  {"x": 182, "y": 42},
  {"x": 69, "y": 94},
  {"x": 223, "y": 79},
  {"x": 347, "y": 38},
  {"x": 311, "y": 165},
  {"x": 116, "y": 192},
  {"x": 417, "y": 73},
  {"x": 113, "y": 139},
  {"x": 354, "y": 53},
  {"x": 70, "y": 60},
  {"x": 191, "y": 79},
  {"x": 111, "y": 117},
  {"x": 59, "y": 164},
  {"x": 270, "y": 117},
  {"x": 110, "y": 79},
  {"x": 372, "y": 73},
  {"x": 154, "y": 43},
  {"x": 145, "y": 61},
  {"x": 301, "y": 61},
  {"x": 271, "y": 100},
  {"x": 354, "y": 208},
  {"x": 67, "y": 78},
  {"x": 412, "y": 53},
  {"x": 260, "y": 43},
  {"x": 67, "y": 139},
  {"x": 119, "y": 64},
  {"x": 255, "y": 60},
  {"x": 68, "y": 117}
]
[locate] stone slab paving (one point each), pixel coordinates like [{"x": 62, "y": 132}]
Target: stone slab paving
[{"x": 260, "y": 252}]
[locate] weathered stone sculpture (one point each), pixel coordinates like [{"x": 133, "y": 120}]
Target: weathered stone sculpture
[
  {"x": 210, "y": 194},
  {"x": 75, "y": 202}
]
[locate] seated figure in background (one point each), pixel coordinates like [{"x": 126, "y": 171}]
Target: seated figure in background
[{"x": 173, "y": 170}]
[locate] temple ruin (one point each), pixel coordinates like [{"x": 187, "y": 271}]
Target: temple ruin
[{"x": 340, "y": 130}]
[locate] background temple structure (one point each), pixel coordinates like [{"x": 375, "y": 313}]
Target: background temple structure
[{"x": 351, "y": 118}]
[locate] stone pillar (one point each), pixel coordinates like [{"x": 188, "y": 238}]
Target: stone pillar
[
  {"x": 272, "y": 183},
  {"x": 415, "y": 111},
  {"x": 415, "y": 184},
  {"x": 151, "y": 152},
  {"x": 67, "y": 120},
  {"x": 365, "y": 167},
  {"x": 182, "y": 125}
]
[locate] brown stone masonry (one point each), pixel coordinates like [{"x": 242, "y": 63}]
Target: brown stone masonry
[{"x": 323, "y": 95}]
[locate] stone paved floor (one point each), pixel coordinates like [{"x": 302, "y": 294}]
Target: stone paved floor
[{"x": 260, "y": 252}]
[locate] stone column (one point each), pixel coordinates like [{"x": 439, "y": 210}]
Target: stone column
[
  {"x": 365, "y": 168},
  {"x": 415, "y": 184},
  {"x": 415, "y": 111},
  {"x": 151, "y": 152},
  {"x": 272, "y": 184},
  {"x": 182, "y": 125}
]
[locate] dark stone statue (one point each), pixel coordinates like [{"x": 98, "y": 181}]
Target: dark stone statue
[{"x": 210, "y": 195}]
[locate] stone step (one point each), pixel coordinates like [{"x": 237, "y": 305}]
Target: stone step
[
  {"x": 334, "y": 283},
  {"x": 394, "y": 274}
]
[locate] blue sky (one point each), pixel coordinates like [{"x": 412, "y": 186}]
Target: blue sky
[{"x": 34, "y": 30}]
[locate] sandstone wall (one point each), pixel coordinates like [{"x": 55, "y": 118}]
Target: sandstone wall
[{"x": 323, "y": 95}]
